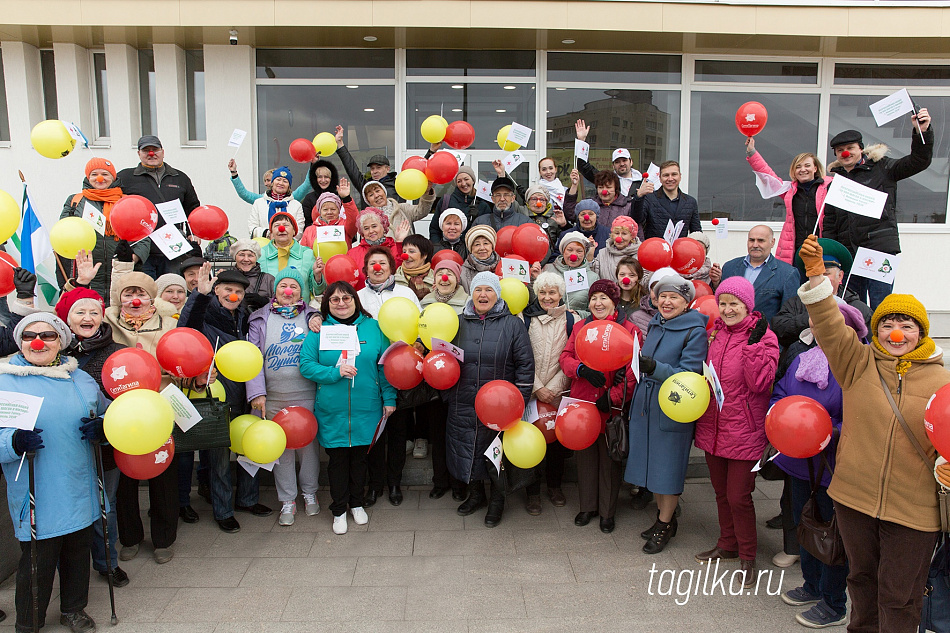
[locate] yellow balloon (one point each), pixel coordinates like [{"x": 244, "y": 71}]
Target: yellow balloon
[
  {"x": 411, "y": 184},
  {"x": 325, "y": 144},
  {"x": 438, "y": 320},
  {"x": 52, "y": 140},
  {"x": 9, "y": 216},
  {"x": 399, "y": 319},
  {"x": 138, "y": 421},
  {"x": 684, "y": 396},
  {"x": 263, "y": 241},
  {"x": 239, "y": 361},
  {"x": 237, "y": 428},
  {"x": 515, "y": 294},
  {"x": 71, "y": 235},
  {"x": 503, "y": 141},
  {"x": 433, "y": 128},
  {"x": 326, "y": 250},
  {"x": 264, "y": 441},
  {"x": 217, "y": 391},
  {"x": 524, "y": 445}
]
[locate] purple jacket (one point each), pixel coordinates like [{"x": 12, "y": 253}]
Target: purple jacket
[
  {"x": 621, "y": 205},
  {"x": 257, "y": 334}
]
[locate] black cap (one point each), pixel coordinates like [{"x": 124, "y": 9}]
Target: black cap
[
  {"x": 847, "y": 137},
  {"x": 191, "y": 262},
  {"x": 149, "y": 141},
  {"x": 503, "y": 181},
  {"x": 232, "y": 276},
  {"x": 378, "y": 159}
]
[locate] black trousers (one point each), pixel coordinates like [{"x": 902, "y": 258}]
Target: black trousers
[
  {"x": 789, "y": 527},
  {"x": 163, "y": 501},
  {"x": 388, "y": 457},
  {"x": 554, "y": 458},
  {"x": 69, "y": 553},
  {"x": 347, "y": 472},
  {"x": 434, "y": 414}
]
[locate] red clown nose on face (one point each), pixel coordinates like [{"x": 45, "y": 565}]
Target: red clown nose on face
[
  {"x": 445, "y": 277},
  {"x": 586, "y": 216},
  {"x": 136, "y": 303},
  {"x": 100, "y": 179},
  {"x": 289, "y": 292},
  {"x": 896, "y": 336},
  {"x": 404, "y": 257},
  {"x": 573, "y": 257},
  {"x": 625, "y": 281},
  {"x": 604, "y": 192},
  {"x": 151, "y": 154},
  {"x": 36, "y": 344},
  {"x": 618, "y": 239},
  {"x": 845, "y": 154},
  {"x": 377, "y": 268},
  {"x": 233, "y": 298},
  {"x": 281, "y": 229},
  {"x": 539, "y": 204}
]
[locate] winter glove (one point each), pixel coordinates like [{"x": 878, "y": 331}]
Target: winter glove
[
  {"x": 27, "y": 441},
  {"x": 603, "y": 403},
  {"x": 619, "y": 376},
  {"x": 811, "y": 254},
  {"x": 594, "y": 377},
  {"x": 24, "y": 281},
  {"x": 255, "y": 301},
  {"x": 756, "y": 333},
  {"x": 647, "y": 365},
  {"x": 92, "y": 430},
  {"x": 123, "y": 251}
]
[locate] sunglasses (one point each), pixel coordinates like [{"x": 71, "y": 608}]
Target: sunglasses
[{"x": 49, "y": 336}]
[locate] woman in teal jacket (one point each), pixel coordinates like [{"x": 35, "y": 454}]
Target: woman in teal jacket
[
  {"x": 284, "y": 250},
  {"x": 352, "y": 397}
]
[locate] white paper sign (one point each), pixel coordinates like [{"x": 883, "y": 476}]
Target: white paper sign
[
  {"x": 672, "y": 232},
  {"x": 891, "y": 107},
  {"x": 722, "y": 228},
  {"x": 635, "y": 361},
  {"x": 678, "y": 230},
  {"x": 519, "y": 134},
  {"x": 512, "y": 160},
  {"x": 19, "y": 410},
  {"x": 653, "y": 175},
  {"x": 438, "y": 345},
  {"x": 576, "y": 279},
  {"x": 495, "y": 451},
  {"x": 484, "y": 190},
  {"x": 709, "y": 372},
  {"x": 875, "y": 265},
  {"x": 389, "y": 350},
  {"x": 769, "y": 185},
  {"x": 333, "y": 233},
  {"x": 172, "y": 211},
  {"x": 237, "y": 137},
  {"x": 252, "y": 467},
  {"x": 170, "y": 241},
  {"x": 186, "y": 415},
  {"x": 856, "y": 198},
  {"x": 94, "y": 217},
  {"x": 515, "y": 268},
  {"x": 581, "y": 149},
  {"x": 338, "y": 338},
  {"x": 531, "y": 413}
]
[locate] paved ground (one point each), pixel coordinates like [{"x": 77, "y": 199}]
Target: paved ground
[{"x": 421, "y": 567}]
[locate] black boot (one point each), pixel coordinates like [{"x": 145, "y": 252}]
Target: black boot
[
  {"x": 495, "y": 507},
  {"x": 642, "y": 499},
  {"x": 476, "y": 499},
  {"x": 647, "y": 533},
  {"x": 661, "y": 537}
]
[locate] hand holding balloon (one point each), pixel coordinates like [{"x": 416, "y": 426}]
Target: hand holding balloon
[{"x": 749, "y": 146}]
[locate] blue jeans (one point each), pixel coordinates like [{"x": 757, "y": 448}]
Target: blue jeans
[
  {"x": 110, "y": 481},
  {"x": 827, "y": 581},
  {"x": 248, "y": 488},
  {"x": 219, "y": 463},
  {"x": 186, "y": 463},
  {"x": 870, "y": 288}
]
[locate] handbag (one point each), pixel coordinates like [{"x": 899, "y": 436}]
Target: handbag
[
  {"x": 768, "y": 469},
  {"x": 820, "y": 538},
  {"x": 935, "y": 615},
  {"x": 616, "y": 433},
  {"x": 212, "y": 431}
]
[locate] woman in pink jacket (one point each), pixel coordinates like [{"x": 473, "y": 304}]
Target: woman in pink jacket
[
  {"x": 804, "y": 198},
  {"x": 744, "y": 353}
]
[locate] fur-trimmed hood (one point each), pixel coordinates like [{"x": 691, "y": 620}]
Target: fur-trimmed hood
[
  {"x": 873, "y": 153},
  {"x": 16, "y": 365}
]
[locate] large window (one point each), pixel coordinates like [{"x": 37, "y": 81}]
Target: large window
[
  {"x": 147, "y": 96},
  {"x": 102, "y": 95},
  {"x": 4, "y": 116},
  {"x": 195, "y": 94},
  {"x": 294, "y": 63},
  {"x": 480, "y": 63},
  {"x": 48, "y": 70}
]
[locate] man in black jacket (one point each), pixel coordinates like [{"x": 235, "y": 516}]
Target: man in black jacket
[
  {"x": 159, "y": 182},
  {"x": 379, "y": 169},
  {"x": 654, "y": 210},
  {"x": 871, "y": 168}
]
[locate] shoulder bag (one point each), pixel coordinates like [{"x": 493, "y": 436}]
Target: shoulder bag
[
  {"x": 820, "y": 538},
  {"x": 212, "y": 431},
  {"x": 616, "y": 433}
]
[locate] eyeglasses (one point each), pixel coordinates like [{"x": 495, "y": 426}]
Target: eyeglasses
[
  {"x": 503, "y": 196},
  {"x": 49, "y": 336},
  {"x": 345, "y": 299}
]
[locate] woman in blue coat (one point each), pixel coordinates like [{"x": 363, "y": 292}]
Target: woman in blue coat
[
  {"x": 352, "y": 397},
  {"x": 659, "y": 446}
]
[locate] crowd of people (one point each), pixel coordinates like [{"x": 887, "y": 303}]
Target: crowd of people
[{"x": 786, "y": 325}]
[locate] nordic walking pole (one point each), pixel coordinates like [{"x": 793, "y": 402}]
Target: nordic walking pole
[
  {"x": 34, "y": 590},
  {"x": 105, "y": 523}
]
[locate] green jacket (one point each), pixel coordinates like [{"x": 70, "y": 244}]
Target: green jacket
[
  {"x": 300, "y": 258},
  {"x": 348, "y": 410}
]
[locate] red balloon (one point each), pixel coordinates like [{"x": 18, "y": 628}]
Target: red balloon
[
  {"x": 6, "y": 274},
  {"x": 209, "y": 222},
  {"x": 446, "y": 254},
  {"x": 499, "y": 405},
  {"x": 688, "y": 256},
  {"x": 133, "y": 217},
  {"x": 604, "y": 345},
  {"x": 403, "y": 367},
  {"x": 655, "y": 253},
  {"x": 547, "y": 415},
  {"x": 702, "y": 289},
  {"x": 147, "y": 466},
  {"x": 503, "y": 240},
  {"x": 442, "y": 167},
  {"x": 441, "y": 370},
  {"x": 341, "y": 268},
  {"x": 415, "y": 162},
  {"x": 299, "y": 424},
  {"x": 937, "y": 420},
  {"x": 751, "y": 118},
  {"x": 798, "y": 426},
  {"x": 459, "y": 135},
  {"x": 302, "y": 150},
  {"x": 184, "y": 352},
  {"x": 531, "y": 242},
  {"x": 709, "y": 306},
  {"x": 130, "y": 368},
  {"x": 578, "y": 425},
  {"x": 499, "y": 271}
]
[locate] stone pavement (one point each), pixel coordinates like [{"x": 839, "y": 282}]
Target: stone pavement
[{"x": 421, "y": 567}]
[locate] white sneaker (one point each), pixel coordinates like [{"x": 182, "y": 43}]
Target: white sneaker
[
  {"x": 359, "y": 516},
  {"x": 313, "y": 506},
  {"x": 339, "y": 524},
  {"x": 410, "y": 446},
  {"x": 421, "y": 449},
  {"x": 784, "y": 560},
  {"x": 287, "y": 512}
]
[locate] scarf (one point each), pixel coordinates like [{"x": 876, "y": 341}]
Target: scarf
[
  {"x": 441, "y": 298},
  {"x": 420, "y": 271},
  {"x": 374, "y": 242},
  {"x": 813, "y": 368},
  {"x": 555, "y": 189},
  {"x": 924, "y": 350},
  {"x": 274, "y": 206},
  {"x": 288, "y": 312},
  {"x": 389, "y": 284},
  {"x": 489, "y": 263},
  {"x": 283, "y": 255},
  {"x": 108, "y": 198},
  {"x": 350, "y": 320},
  {"x": 138, "y": 321}
]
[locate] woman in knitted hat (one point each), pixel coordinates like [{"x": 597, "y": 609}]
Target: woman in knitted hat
[
  {"x": 574, "y": 264},
  {"x": 99, "y": 194},
  {"x": 623, "y": 242},
  {"x": 283, "y": 251},
  {"x": 373, "y": 226},
  {"x": 480, "y": 241},
  {"x": 447, "y": 287},
  {"x": 463, "y": 198},
  {"x": 744, "y": 353},
  {"x": 451, "y": 236},
  {"x": 608, "y": 197},
  {"x": 659, "y": 446},
  {"x": 883, "y": 487},
  {"x": 172, "y": 292},
  {"x": 598, "y": 476},
  {"x": 586, "y": 224},
  {"x": 331, "y": 209},
  {"x": 542, "y": 212},
  {"x": 374, "y": 195},
  {"x": 278, "y": 200},
  {"x": 249, "y": 196},
  {"x": 246, "y": 254},
  {"x": 322, "y": 178}
]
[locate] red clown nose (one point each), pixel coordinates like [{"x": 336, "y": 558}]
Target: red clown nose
[
  {"x": 289, "y": 292},
  {"x": 896, "y": 336},
  {"x": 36, "y": 344},
  {"x": 845, "y": 154},
  {"x": 618, "y": 239},
  {"x": 625, "y": 281},
  {"x": 586, "y": 216},
  {"x": 377, "y": 267},
  {"x": 445, "y": 277},
  {"x": 233, "y": 298},
  {"x": 404, "y": 257},
  {"x": 604, "y": 192},
  {"x": 539, "y": 204},
  {"x": 573, "y": 257},
  {"x": 151, "y": 154},
  {"x": 100, "y": 179},
  {"x": 281, "y": 229},
  {"x": 136, "y": 303}
]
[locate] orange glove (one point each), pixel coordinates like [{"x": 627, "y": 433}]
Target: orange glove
[{"x": 811, "y": 254}]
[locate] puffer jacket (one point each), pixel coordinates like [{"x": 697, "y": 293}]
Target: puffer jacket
[
  {"x": 358, "y": 255},
  {"x": 653, "y": 217},
  {"x": 621, "y": 205},
  {"x": 879, "y": 473},
  {"x": 173, "y": 185},
  {"x": 456, "y": 301},
  {"x": 515, "y": 215},
  {"x": 879, "y": 172},
  {"x": 258, "y": 220},
  {"x": 310, "y": 199},
  {"x": 456, "y": 247},
  {"x": 547, "y": 330},
  {"x": 607, "y": 258},
  {"x": 746, "y": 373},
  {"x": 469, "y": 204},
  {"x": 497, "y": 347},
  {"x": 576, "y": 300}
]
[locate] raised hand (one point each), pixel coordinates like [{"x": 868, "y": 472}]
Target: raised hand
[
  {"x": 402, "y": 231},
  {"x": 25, "y": 282},
  {"x": 338, "y": 135},
  {"x": 499, "y": 169},
  {"x": 749, "y": 146},
  {"x": 343, "y": 189},
  {"x": 318, "y": 267},
  {"x": 646, "y": 188},
  {"x": 581, "y": 129},
  {"x": 85, "y": 268},
  {"x": 232, "y": 167},
  {"x": 205, "y": 280}
]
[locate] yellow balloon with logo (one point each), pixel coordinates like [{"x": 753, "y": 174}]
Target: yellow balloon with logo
[
  {"x": 684, "y": 397},
  {"x": 9, "y": 216},
  {"x": 239, "y": 361},
  {"x": 325, "y": 144},
  {"x": 71, "y": 235},
  {"x": 138, "y": 421},
  {"x": 438, "y": 320},
  {"x": 399, "y": 320},
  {"x": 503, "y": 141},
  {"x": 515, "y": 294},
  {"x": 52, "y": 140},
  {"x": 524, "y": 445},
  {"x": 433, "y": 128},
  {"x": 264, "y": 441},
  {"x": 237, "y": 428},
  {"x": 411, "y": 184}
]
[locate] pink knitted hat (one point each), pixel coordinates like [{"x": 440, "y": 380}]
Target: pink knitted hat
[
  {"x": 627, "y": 222},
  {"x": 383, "y": 218},
  {"x": 738, "y": 287}
]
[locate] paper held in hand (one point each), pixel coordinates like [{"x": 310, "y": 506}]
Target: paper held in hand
[
  {"x": 484, "y": 190},
  {"x": 576, "y": 279},
  {"x": 237, "y": 137},
  {"x": 333, "y": 233},
  {"x": 581, "y": 150},
  {"x": 519, "y": 134},
  {"x": 875, "y": 265},
  {"x": 339, "y": 338},
  {"x": 186, "y": 415},
  {"x": 512, "y": 160},
  {"x": 856, "y": 198},
  {"x": 495, "y": 451},
  {"x": 19, "y": 410},
  {"x": 891, "y": 107},
  {"x": 515, "y": 268},
  {"x": 170, "y": 241},
  {"x": 172, "y": 211}
]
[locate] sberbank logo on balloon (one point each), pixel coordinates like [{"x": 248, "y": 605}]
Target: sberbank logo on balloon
[{"x": 681, "y": 385}]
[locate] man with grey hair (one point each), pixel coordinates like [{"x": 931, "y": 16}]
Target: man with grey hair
[{"x": 774, "y": 281}]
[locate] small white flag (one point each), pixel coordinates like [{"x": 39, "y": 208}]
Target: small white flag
[
  {"x": 851, "y": 196},
  {"x": 668, "y": 234},
  {"x": 512, "y": 160},
  {"x": 891, "y": 107},
  {"x": 333, "y": 233},
  {"x": 495, "y": 451},
  {"x": 722, "y": 228},
  {"x": 94, "y": 217},
  {"x": 515, "y": 268},
  {"x": 172, "y": 211},
  {"x": 237, "y": 137},
  {"x": 531, "y": 413},
  {"x": 484, "y": 190},
  {"x": 875, "y": 265},
  {"x": 635, "y": 361},
  {"x": 576, "y": 279},
  {"x": 459, "y": 156},
  {"x": 581, "y": 149},
  {"x": 438, "y": 345},
  {"x": 76, "y": 133},
  {"x": 170, "y": 241},
  {"x": 653, "y": 175},
  {"x": 519, "y": 134},
  {"x": 713, "y": 379}
]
